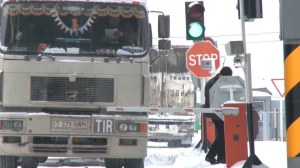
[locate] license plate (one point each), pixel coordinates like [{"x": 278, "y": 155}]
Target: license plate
[{"x": 70, "y": 124}]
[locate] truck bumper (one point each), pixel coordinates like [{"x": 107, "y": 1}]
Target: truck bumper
[
  {"x": 42, "y": 135},
  {"x": 186, "y": 138}
]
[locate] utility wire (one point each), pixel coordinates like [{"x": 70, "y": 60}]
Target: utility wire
[
  {"x": 253, "y": 42},
  {"x": 270, "y": 41},
  {"x": 252, "y": 34},
  {"x": 264, "y": 79}
]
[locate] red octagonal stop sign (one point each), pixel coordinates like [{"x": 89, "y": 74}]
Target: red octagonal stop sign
[{"x": 196, "y": 53}]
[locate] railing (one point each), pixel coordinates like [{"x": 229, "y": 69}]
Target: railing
[{"x": 271, "y": 126}]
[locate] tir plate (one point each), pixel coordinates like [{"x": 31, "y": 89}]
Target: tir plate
[{"x": 106, "y": 126}]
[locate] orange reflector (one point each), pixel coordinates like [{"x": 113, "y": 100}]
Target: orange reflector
[
  {"x": 143, "y": 127},
  {"x": 136, "y": 3},
  {"x": 76, "y": 140},
  {"x": 0, "y": 124},
  {"x": 153, "y": 109},
  {"x": 183, "y": 113}
]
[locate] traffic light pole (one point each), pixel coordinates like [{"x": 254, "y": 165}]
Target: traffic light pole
[
  {"x": 203, "y": 140},
  {"x": 252, "y": 159}
]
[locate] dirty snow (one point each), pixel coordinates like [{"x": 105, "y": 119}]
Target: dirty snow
[{"x": 271, "y": 153}]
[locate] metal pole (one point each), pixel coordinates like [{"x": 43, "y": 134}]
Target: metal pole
[
  {"x": 204, "y": 139},
  {"x": 202, "y": 80},
  {"x": 275, "y": 125},
  {"x": 248, "y": 85},
  {"x": 162, "y": 81},
  {"x": 249, "y": 107},
  {"x": 280, "y": 119}
]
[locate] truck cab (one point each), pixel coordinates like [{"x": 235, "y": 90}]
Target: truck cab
[{"x": 62, "y": 64}]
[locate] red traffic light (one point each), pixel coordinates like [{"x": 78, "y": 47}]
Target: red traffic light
[{"x": 195, "y": 10}]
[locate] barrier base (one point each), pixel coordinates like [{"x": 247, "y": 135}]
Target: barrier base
[
  {"x": 202, "y": 146},
  {"x": 256, "y": 162},
  {"x": 235, "y": 135}
]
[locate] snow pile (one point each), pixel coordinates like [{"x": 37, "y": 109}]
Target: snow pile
[
  {"x": 241, "y": 164},
  {"x": 271, "y": 153},
  {"x": 192, "y": 159},
  {"x": 161, "y": 157},
  {"x": 177, "y": 158}
]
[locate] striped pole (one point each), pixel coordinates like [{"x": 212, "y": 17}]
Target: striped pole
[{"x": 292, "y": 102}]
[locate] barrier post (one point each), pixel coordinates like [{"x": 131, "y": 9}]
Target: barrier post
[
  {"x": 235, "y": 129},
  {"x": 210, "y": 131},
  {"x": 207, "y": 132}
]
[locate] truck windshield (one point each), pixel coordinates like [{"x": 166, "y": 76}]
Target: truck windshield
[{"x": 73, "y": 28}]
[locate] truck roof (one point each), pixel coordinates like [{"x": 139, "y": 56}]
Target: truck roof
[{"x": 141, "y": 2}]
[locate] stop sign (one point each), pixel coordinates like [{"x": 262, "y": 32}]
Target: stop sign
[{"x": 199, "y": 51}]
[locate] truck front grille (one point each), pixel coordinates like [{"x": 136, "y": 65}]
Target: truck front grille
[
  {"x": 60, "y": 89},
  {"x": 49, "y": 149},
  {"x": 89, "y": 149}
]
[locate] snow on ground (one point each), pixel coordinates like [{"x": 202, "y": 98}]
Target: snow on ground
[{"x": 271, "y": 153}]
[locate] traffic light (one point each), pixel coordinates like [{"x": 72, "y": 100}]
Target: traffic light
[
  {"x": 252, "y": 9},
  {"x": 194, "y": 16}
]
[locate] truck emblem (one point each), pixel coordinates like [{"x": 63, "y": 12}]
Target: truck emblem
[{"x": 72, "y": 95}]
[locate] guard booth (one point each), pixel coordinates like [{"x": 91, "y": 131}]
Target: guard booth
[{"x": 229, "y": 91}]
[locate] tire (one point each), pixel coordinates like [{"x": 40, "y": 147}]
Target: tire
[
  {"x": 8, "y": 161},
  {"x": 114, "y": 163},
  {"x": 174, "y": 143},
  {"x": 30, "y": 162},
  {"x": 185, "y": 145},
  {"x": 177, "y": 143},
  {"x": 170, "y": 144},
  {"x": 133, "y": 163},
  {"x": 42, "y": 159}
]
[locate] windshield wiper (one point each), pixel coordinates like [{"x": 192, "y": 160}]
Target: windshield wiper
[{"x": 49, "y": 55}]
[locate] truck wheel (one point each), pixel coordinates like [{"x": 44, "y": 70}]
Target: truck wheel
[
  {"x": 133, "y": 163},
  {"x": 174, "y": 143},
  {"x": 30, "y": 162},
  {"x": 177, "y": 143},
  {"x": 185, "y": 145},
  {"x": 114, "y": 163},
  {"x": 170, "y": 144},
  {"x": 8, "y": 161},
  {"x": 42, "y": 159}
]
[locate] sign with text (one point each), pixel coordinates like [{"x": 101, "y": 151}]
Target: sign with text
[
  {"x": 105, "y": 126},
  {"x": 198, "y": 52}
]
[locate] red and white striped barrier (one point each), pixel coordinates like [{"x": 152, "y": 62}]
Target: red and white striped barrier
[{"x": 223, "y": 111}]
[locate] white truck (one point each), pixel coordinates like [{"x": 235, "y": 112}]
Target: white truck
[
  {"x": 75, "y": 81},
  {"x": 68, "y": 87},
  {"x": 171, "y": 87}
]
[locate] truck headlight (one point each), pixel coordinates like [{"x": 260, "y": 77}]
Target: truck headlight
[
  {"x": 132, "y": 127},
  {"x": 13, "y": 125},
  {"x": 123, "y": 127}
]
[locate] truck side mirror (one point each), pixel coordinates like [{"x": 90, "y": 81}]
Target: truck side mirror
[
  {"x": 163, "y": 26},
  {"x": 150, "y": 36},
  {"x": 150, "y": 68}
]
